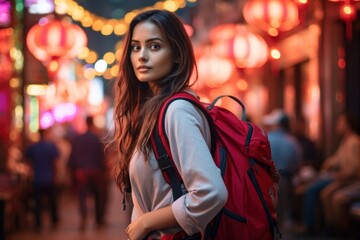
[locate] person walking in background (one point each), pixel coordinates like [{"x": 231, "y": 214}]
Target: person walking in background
[
  {"x": 287, "y": 155},
  {"x": 158, "y": 61},
  {"x": 42, "y": 157},
  {"x": 87, "y": 165},
  {"x": 338, "y": 170}
]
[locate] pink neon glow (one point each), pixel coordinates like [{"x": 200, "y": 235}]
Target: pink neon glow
[
  {"x": 46, "y": 120},
  {"x": 5, "y": 13},
  {"x": 64, "y": 112}
]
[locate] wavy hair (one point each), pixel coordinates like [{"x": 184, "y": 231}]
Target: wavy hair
[{"x": 136, "y": 107}]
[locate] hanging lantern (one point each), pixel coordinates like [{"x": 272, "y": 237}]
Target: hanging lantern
[
  {"x": 347, "y": 12},
  {"x": 6, "y": 63},
  {"x": 272, "y": 16},
  {"x": 235, "y": 41},
  {"x": 6, "y": 35},
  {"x": 6, "y": 67},
  {"x": 213, "y": 70},
  {"x": 52, "y": 41}
]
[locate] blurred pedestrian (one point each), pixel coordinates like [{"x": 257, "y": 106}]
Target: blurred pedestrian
[
  {"x": 310, "y": 152},
  {"x": 87, "y": 164},
  {"x": 42, "y": 157},
  {"x": 338, "y": 170},
  {"x": 287, "y": 155},
  {"x": 346, "y": 176}
]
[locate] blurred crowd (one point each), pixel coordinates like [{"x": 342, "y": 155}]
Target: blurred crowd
[
  {"x": 56, "y": 164},
  {"x": 317, "y": 196}
]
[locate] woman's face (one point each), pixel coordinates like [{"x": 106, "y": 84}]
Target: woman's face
[{"x": 151, "y": 55}]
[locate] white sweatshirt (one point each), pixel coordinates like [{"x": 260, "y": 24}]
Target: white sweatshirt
[{"x": 189, "y": 136}]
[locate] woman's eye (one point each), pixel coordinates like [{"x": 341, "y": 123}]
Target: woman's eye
[
  {"x": 135, "y": 47},
  {"x": 155, "y": 46}
]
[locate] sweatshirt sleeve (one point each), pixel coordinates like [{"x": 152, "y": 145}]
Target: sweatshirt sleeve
[{"x": 189, "y": 137}]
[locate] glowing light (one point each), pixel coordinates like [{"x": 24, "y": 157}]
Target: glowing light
[
  {"x": 97, "y": 25},
  {"x": 129, "y": 17},
  {"x": 214, "y": 70},
  {"x": 235, "y": 41},
  {"x": 46, "y": 120},
  {"x": 89, "y": 73},
  {"x": 302, "y": 2},
  {"x": 5, "y": 10},
  {"x": 96, "y": 94},
  {"x": 271, "y": 15},
  {"x": 36, "y": 89},
  {"x": 347, "y": 12},
  {"x": 342, "y": 63},
  {"x": 114, "y": 70},
  {"x": 78, "y": 14},
  {"x": 242, "y": 85},
  {"x": 34, "y": 114},
  {"x": 120, "y": 29},
  {"x": 87, "y": 21},
  {"x": 100, "y": 66},
  {"x": 107, "y": 29},
  {"x": 109, "y": 57},
  {"x": 53, "y": 66},
  {"x": 40, "y": 6},
  {"x": 91, "y": 58},
  {"x": 83, "y": 53},
  {"x": 275, "y": 53},
  {"x": 64, "y": 112},
  {"x": 171, "y": 6}
]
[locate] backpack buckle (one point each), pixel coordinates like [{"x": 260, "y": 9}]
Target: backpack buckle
[{"x": 164, "y": 162}]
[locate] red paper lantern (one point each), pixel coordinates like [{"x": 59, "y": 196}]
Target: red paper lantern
[
  {"x": 347, "y": 11},
  {"x": 213, "y": 70},
  {"x": 235, "y": 41},
  {"x": 6, "y": 67},
  {"x": 6, "y": 39},
  {"x": 6, "y": 63},
  {"x": 52, "y": 41},
  {"x": 272, "y": 16}
]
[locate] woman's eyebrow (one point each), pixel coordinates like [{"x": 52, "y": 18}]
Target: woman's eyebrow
[{"x": 149, "y": 40}]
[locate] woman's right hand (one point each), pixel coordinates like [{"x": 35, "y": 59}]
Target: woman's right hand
[{"x": 137, "y": 230}]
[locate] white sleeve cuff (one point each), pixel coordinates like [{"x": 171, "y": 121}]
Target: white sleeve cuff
[{"x": 185, "y": 221}]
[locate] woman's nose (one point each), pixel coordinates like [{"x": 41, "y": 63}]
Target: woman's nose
[{"x": 143, "y": 57}]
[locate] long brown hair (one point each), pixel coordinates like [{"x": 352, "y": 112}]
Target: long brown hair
[{"x": 136, "y": 108}]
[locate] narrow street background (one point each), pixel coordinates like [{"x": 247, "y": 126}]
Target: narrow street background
[{"x": 68, "y": 228}]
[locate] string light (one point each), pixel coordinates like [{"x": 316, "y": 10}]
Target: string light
[{"x": 104, "y": 25}]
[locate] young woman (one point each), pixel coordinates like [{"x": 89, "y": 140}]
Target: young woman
[{"x": 158, "y": 61}]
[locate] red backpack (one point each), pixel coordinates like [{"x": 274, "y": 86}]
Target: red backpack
[{"x": 242, "y": 152}]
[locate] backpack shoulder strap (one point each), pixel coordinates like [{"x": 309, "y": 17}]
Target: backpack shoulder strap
[{"x": 161, "y": 147}]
